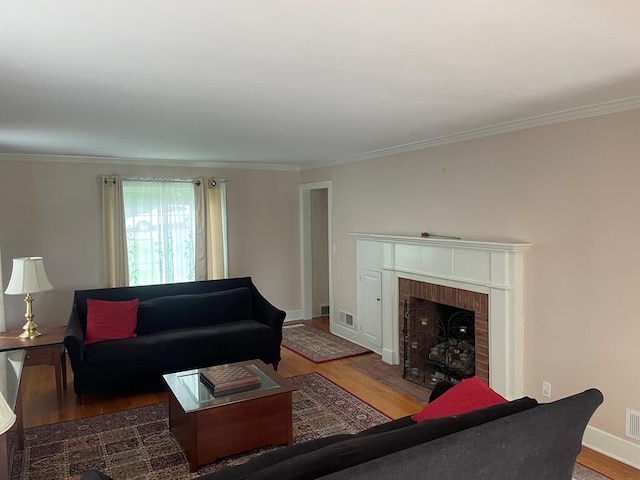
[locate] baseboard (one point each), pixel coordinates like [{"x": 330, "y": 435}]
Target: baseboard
[
  {"x": 387, "y": 356},
  {"x": 293, "y": 315},
  {"x": 614, "y": 447}
]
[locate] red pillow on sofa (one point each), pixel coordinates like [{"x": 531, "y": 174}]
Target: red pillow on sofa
[
  {"x": 110, "y": 320},
  {"x": 469, "y": 394}
]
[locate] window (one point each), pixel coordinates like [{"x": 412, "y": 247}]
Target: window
[
  {"x": 160, "y": 231},
  {"x": 163, "y": 230}
]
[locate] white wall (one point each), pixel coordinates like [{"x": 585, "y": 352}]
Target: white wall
[
  {"x": 53, "y": 210},
  {"x": 570, "y": 189}
]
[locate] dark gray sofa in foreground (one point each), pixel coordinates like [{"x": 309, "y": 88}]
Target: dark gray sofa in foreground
[
  {"x": 518, "y": 440},
  {"x": 179, "y": 326}
]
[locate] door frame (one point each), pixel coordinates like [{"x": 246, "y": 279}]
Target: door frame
[{"x": 306, "y": 249}]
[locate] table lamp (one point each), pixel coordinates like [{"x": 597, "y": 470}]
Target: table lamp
[{"x": 28, "y": 276}]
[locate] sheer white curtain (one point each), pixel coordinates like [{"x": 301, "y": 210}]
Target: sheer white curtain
[
  {"x": 3, "y": 325},
  {"x": 160, "y": 225},
  {"x": 115, "y": 263}
]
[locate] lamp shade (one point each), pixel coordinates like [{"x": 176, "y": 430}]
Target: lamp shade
[{"x": 28, "y": 276}]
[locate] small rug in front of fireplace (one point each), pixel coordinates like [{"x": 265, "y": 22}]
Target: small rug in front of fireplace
[{"x": 316, "y": 345}]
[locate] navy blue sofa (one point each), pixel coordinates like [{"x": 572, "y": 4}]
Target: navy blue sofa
[
  {"x": 180, "y": 326},
  {"x": 520, "y": 440}
]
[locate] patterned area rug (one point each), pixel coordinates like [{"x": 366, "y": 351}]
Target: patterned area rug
[
  {"x": 316, "y": 345},
  {"x": 137, "y": 443},
  {"x": 583, "y": 473}
]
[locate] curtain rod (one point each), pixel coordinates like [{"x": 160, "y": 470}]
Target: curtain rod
[{"x": 163, "y": 179}]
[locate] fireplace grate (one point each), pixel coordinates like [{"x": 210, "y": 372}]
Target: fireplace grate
[{"x": 439, "y": 345}]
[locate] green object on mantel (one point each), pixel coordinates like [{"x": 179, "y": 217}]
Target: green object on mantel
[{"x": 431, "y": 235}]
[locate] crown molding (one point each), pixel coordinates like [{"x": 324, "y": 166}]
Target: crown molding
[
  {"x": 630, "y": 103},
  {"x": 144, "y": 162}
]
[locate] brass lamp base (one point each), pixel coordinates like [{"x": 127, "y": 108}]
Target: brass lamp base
[
  {"x": 30, "y": 331},
  {"x": 30, "y": 328}
]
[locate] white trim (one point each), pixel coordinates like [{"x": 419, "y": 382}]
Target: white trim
[
  {"x": 630, "y": 103},
  {"x": 447, "y": 242},
  {"x": 153, "y": 162},
  {"x": 605, "y": 108},
  {"x": 293, "y": 315},
  {"x": 305, "y": 247},
  {"x": 615, "y": 447}
]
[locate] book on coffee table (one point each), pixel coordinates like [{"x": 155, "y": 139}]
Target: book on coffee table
[{"x": 227, "y": 379}]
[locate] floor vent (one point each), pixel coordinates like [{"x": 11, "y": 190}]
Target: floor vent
[
  {"x": 324, "y": 309},
  {"x": 633, "y": 424},
  {"x": 346, "y": 318}
]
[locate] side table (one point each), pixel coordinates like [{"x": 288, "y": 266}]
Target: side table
[{"x": 47, "y": 349}]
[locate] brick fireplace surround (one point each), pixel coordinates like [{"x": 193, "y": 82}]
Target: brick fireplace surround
[{"x": 454, "y": 297}]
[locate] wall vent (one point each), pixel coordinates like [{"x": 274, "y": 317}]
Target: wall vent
[
  {"x": 346, "y": 318},
  {"x": 633, "y": 424},
  {"x": 324, "y": 309}
]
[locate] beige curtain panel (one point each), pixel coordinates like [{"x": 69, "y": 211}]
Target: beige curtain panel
[
  {"x": 210, "y": 229},
  {"x": 116, "y": 266},
  {"x": 216, "y": 258}
]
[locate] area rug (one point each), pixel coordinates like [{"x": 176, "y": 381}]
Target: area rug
[
  {"x": 316, "y": 345},
  {"x": 137, "y": 443}
]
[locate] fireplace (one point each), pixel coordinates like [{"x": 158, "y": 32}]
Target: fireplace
[
  {"x": 443, "y": 333},
  {"x": 483, "y": 277}
]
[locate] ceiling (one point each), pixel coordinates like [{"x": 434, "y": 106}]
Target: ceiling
[{"x": 298, "y": 84}]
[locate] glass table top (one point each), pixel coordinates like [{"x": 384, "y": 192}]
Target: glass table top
[
  {"x": 193, "y": 394},
  {"x": 11, "y": 364}
]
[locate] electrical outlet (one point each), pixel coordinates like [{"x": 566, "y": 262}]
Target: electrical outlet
[{"x": 546, "y": 389}]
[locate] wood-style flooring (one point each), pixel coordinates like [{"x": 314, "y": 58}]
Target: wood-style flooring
[{"x": 365, "y": 376}]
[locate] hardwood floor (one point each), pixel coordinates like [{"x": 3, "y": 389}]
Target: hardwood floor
[{"x": 365, "y": 376}]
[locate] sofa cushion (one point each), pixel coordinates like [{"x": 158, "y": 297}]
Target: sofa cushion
[
  {"x": 187, "y": 348},
  {"x": 108, "y": 320},
  {"x": 193, "y": 310},
  {"x": 469, "y": 394},
  {"x": 364, "y": 447},
  {"x": 129, "y": 356}
]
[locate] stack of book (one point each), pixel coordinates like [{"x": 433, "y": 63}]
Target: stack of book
[{"x": 227, "y": 379}]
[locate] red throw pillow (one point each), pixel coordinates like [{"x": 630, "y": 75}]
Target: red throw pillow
[
  {"x": 110, "y": 320},
  {"x": 469, "y": 394}
]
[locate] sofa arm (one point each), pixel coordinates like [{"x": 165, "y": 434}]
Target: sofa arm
[
  {"x": 74, "y": 340},
  {"x": 265, "y": 312}
]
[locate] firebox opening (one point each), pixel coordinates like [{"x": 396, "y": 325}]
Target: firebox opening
[{"x": 438, "y": 342}]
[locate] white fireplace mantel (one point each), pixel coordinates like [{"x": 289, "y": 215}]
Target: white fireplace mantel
[{"x": 493, "y": 268}]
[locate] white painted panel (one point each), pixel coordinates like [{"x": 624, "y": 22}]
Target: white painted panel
[
  {"x": 472, "y": 265},
  {"x": 499, "y": 268},
  {"x": 369, "y": 254},
  {"x": 370, "y": 309},
  {"x": 387, "y": 255},
  {"x": 436, "y": 261},
  {"x": 407, "y": 256}
]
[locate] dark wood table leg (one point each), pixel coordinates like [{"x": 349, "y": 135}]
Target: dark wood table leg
[
  {"x": 4, "y": 456},
  {"x": 63, "y": 363},
  {"x": 18, "y": 412}
]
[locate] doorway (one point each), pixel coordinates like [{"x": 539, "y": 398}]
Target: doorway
[{"x": 316, "y": 250}]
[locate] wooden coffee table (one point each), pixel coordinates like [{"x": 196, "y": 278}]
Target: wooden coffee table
[{"x": 209, "y": 427}]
